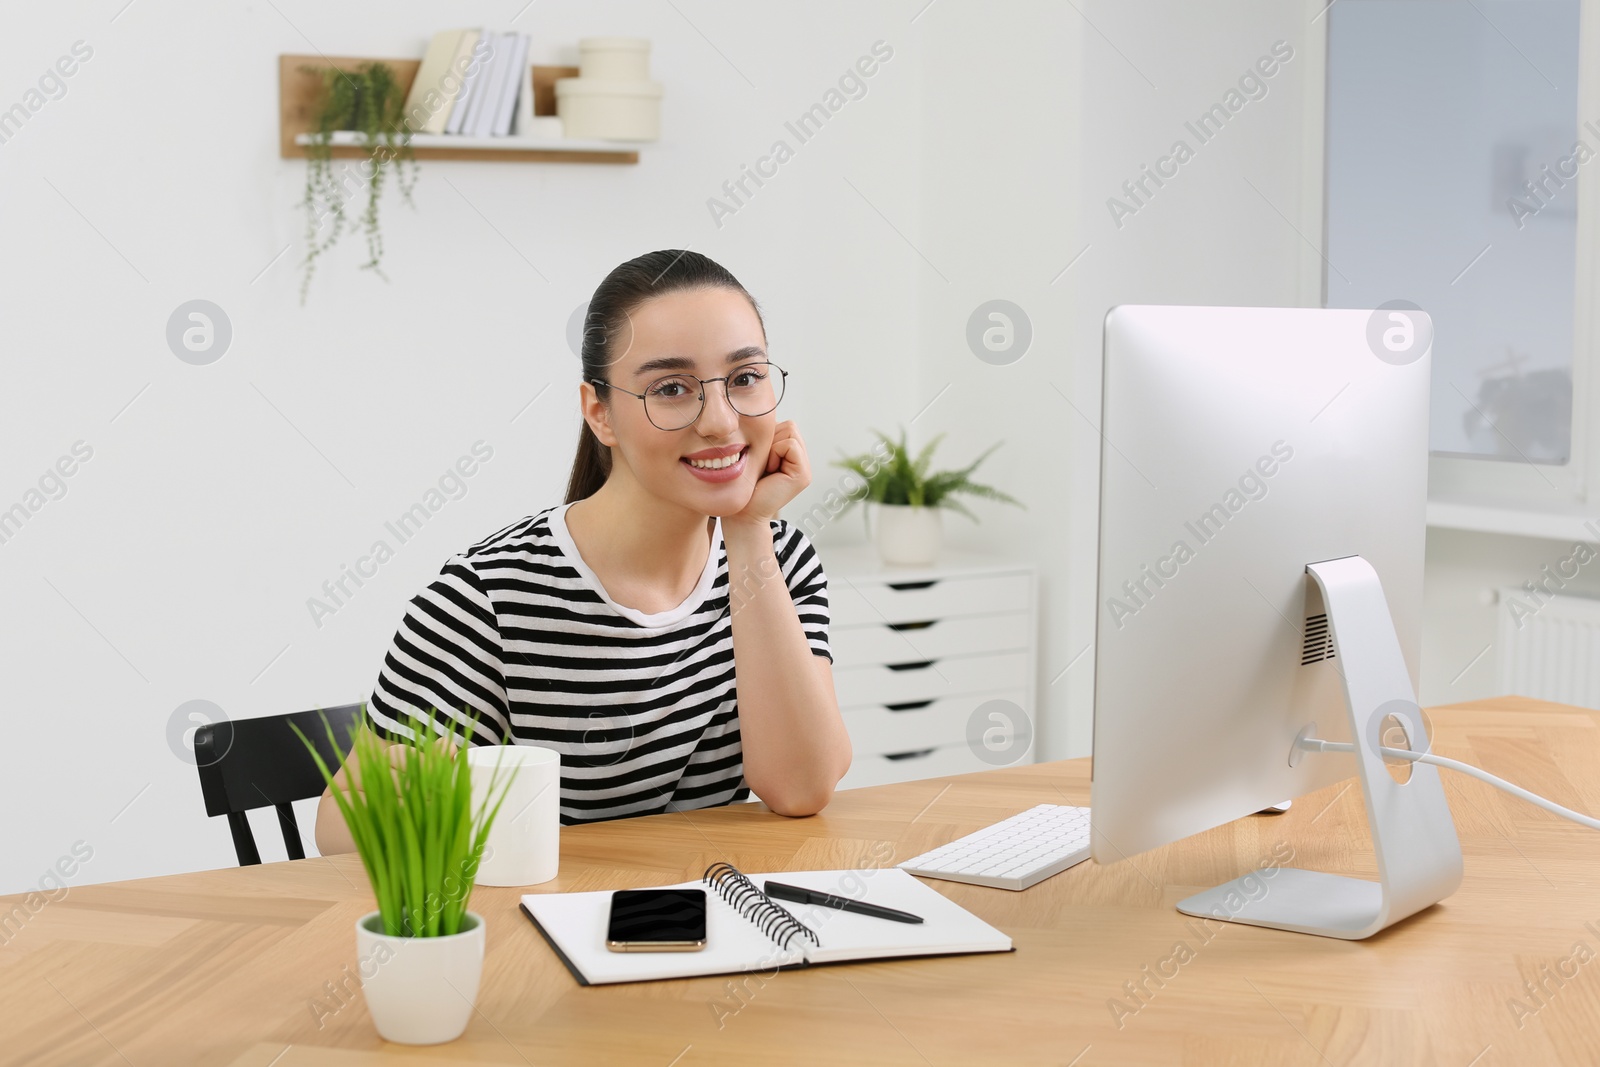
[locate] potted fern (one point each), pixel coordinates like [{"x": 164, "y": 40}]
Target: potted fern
[
  {"x": 909, "y": 499},
  {"x": 410, "y": 813}
]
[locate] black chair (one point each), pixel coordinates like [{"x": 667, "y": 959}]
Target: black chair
[{"x": 246, "y": 764}]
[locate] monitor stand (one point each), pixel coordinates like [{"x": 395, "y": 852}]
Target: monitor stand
[{"x": 1419, "y": 855}]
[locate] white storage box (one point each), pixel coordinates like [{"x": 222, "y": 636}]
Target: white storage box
[
  {"x": 623, "y": 59},
  {"x": 609, "y": 110}
]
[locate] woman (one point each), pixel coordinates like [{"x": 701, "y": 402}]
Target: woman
[{"x": 663, "y": 629}]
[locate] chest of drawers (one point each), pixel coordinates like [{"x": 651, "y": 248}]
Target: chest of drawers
[{"x": 934, "y": 666}]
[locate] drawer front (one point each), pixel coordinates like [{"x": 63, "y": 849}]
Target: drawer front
[
  {"x": 930, "y": 679},
  {"x": 880, "y": 729},
  {"x": 855, "y": 603},
  {"x": 928, "y": 639},
  {"x": 928, "y": 763}
]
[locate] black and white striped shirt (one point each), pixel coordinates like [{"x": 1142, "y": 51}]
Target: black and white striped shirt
[{"x": 640, "y": 706}]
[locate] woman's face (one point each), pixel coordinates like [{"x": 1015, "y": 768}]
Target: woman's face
[{"x": 710, "y": 332}]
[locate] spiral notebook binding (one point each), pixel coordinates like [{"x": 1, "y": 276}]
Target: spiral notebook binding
[{"x": 773, "y": 919}]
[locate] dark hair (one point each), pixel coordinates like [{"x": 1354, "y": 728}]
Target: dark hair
[{"x": 625, "y": 288}]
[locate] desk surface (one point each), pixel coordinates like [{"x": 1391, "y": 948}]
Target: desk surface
[{"x": 226, "y": 966}]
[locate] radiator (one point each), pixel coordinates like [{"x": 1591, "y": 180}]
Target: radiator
[{"x": 1549, "y": 647}]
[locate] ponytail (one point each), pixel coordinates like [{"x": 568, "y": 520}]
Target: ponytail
[{"x": 591, "y": 467}]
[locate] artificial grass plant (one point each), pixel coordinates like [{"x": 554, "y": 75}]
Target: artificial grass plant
[{"x": 413, "y": 823}]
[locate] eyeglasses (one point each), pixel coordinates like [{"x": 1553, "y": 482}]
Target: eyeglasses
[{"x": 675, "y": 402}]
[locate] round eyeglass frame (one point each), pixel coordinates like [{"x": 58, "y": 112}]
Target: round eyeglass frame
[{"x": 784, "y": 380}]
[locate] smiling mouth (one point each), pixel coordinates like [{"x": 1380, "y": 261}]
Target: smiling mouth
[{"x": 721, "y": 463}]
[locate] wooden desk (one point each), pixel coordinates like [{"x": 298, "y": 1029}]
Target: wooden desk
[{"x": 225, "y": 966}]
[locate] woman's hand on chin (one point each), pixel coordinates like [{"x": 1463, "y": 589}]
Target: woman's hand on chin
[{"x": 786, "y": 473}]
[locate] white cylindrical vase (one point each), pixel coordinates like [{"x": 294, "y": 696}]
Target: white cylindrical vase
[{"x": 524, "y": 843}]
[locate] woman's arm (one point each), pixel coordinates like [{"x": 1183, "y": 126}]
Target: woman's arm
[
  {"x": 332, "y": 834},
  {"x": 795, "y": 745}
]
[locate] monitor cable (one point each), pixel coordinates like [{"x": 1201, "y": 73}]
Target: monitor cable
[{"x": 1317, "y": 744}]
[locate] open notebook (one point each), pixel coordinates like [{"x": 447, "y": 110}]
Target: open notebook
[{"x": 737, "y": 914}]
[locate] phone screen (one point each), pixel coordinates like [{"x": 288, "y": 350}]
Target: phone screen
[{"x": 657, "y": 920}]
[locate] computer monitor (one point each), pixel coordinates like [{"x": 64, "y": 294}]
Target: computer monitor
[{"x": 1263, "y": 485}]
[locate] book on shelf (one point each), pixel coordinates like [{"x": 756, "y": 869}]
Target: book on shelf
[
  {"x": 438, "y": 83},
  {"x": 499, "y": 76},
  {"x": 484, "y": 83},
  {"x": 470, "y": 51},
  {"x": 471, "y": 92},
  {"x": 426, "y": 101},
  {"x": 516, "y": 85},
  {"x": 473, "y": 83}
]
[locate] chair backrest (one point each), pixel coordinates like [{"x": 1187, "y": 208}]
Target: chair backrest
[{"x": 246, "y": 764}]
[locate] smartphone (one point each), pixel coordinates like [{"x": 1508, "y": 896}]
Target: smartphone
[{"x": 657, "y": 920}]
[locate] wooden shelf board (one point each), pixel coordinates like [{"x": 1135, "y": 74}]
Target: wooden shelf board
[{"x": 298, "y": 92}]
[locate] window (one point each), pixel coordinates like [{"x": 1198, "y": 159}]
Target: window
[{"x": 1453, "y": 151}]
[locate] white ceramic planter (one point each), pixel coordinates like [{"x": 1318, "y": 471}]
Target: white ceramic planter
[
  {"x": 420, "y": 990},
  {"x": 907, "y": 534}
]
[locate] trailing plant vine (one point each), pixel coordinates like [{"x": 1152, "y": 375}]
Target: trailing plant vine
[{"x": 369, "y": 100}]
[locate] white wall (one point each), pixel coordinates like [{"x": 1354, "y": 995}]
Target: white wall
[
  {"x": 999, "y": 169},
  {"x": 179, "y": 563}
]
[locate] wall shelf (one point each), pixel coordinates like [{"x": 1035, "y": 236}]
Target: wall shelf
[
  {"x": 298, "y": 92},
  {"x": 419, "y": 141}
]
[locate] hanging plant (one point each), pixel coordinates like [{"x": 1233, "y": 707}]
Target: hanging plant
[{"x": 369, "y": 100}]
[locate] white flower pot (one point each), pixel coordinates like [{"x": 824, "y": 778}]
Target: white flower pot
[
  {"x": 908, "y": 534},
  {"x": 420, "y": 990}
]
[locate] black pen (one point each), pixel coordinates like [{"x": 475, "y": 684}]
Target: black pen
[{"x": 830, "y": 900}]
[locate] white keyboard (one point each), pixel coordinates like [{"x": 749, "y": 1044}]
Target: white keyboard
[{"x": 1013, "y": 853}]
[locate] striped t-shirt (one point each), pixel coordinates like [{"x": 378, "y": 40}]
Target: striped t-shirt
[{"x": 640, "y": 706}]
